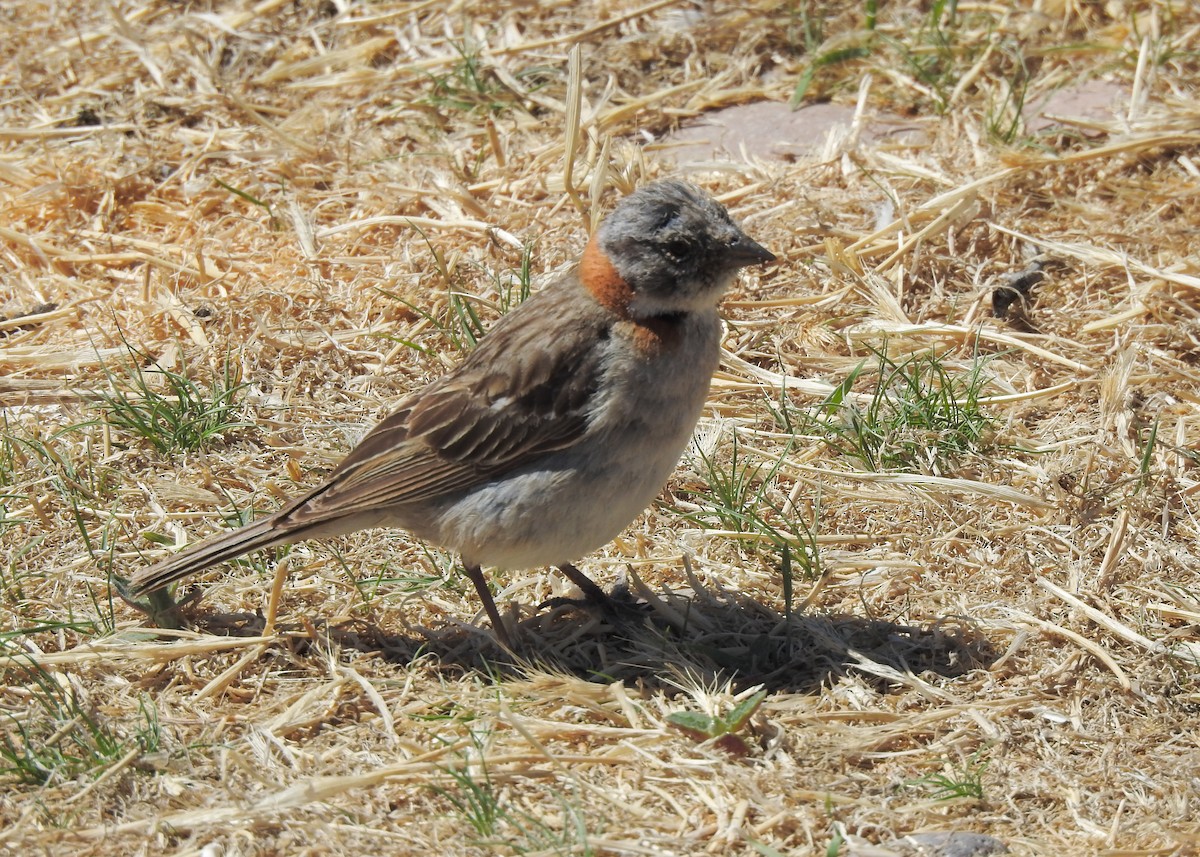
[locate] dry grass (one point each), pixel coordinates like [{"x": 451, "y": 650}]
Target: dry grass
[{"x": 1000, "y": 640}]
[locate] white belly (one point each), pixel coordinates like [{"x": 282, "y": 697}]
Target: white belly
[{"x": 575, "y": 501}]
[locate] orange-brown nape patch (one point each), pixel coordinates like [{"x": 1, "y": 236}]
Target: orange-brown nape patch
[{"x": 600, "y": 277}]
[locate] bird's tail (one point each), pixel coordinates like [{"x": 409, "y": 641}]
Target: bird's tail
[{"x": 263, "y": 533}]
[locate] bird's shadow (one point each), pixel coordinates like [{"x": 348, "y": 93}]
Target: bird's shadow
[{"x": 707, "y": 635}]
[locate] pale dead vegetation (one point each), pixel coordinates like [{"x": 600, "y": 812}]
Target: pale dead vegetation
[{"x": 1003, "y": 641}]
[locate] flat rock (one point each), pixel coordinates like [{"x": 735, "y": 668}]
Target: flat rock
[
  {"x": 941, "y": 844},
  {"x": 1099, "y": 101},
  {"x": 771, "y": 130}
]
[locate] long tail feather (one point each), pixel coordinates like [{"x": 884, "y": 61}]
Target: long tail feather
[{"x": 263, "y": 533}]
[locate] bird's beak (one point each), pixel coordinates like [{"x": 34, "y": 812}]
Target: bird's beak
[{"x": 746, "y": 251}]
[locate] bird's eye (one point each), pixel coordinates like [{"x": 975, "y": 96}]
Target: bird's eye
[{"x": 676, "y": 249}]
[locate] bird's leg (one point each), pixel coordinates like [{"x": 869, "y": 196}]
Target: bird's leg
[{"x": 489, "y": 604}]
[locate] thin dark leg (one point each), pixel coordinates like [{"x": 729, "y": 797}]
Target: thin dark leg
[
  {"x": 591, "y": 592},
  {"x": 489, "y": 604}
]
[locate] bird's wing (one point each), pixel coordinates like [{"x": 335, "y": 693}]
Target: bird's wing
[{"x": 518, "y": 396}]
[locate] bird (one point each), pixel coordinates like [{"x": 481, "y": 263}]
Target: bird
[{"x": 558, "y": 429}]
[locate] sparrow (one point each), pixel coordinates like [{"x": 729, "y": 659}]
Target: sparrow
[{"x": 558, "y": 429}]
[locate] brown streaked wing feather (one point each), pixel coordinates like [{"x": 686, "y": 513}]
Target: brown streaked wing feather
[{"x": 517, "y": 396}]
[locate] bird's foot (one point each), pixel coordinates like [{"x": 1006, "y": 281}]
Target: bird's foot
[{"x": 619, "y": 602}]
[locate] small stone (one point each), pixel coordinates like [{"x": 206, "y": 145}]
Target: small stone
[{"x": 946, "y": 844}]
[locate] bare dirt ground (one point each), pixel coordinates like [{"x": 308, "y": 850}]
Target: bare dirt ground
[{"x": 941, "y": 516}]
